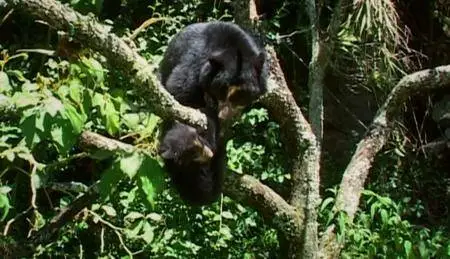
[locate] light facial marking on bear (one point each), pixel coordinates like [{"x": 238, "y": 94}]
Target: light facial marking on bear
[{"x": 205, "y": 153}]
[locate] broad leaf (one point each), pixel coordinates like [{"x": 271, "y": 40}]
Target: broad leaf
[
  {"x": 52, "y": 106},
  {"x": 4, "y": 83},
  {"x": 75, "y": 87},
  {"x": 130, "y": 165},
  {"x": 112, "y": 118},
  {"x": 109, "y": 180},
  {"x": 150, "y": 178},
  {"x": 76, "y": 119},
  {"x": 28, "y": 127},
  {"x": 4, "y": 206}
]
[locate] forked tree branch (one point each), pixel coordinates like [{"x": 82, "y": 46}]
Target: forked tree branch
[
  {"x": 244, "y": 188},
  {"x": 357, "y": 170},
  {"x": 361, "y": 162},
  {"x": 92, "y": 34},
  {"x": 300, "y": 145},
  {"x": 301, "y": 149}
]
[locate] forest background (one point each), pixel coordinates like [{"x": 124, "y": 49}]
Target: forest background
[{"x": 347, "y": 155}]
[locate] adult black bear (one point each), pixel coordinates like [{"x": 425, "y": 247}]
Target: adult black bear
[
  {"x": 215, "y": 65},
  {"x": 220, "y": 69},
  {"x": 195, "y": 162}
]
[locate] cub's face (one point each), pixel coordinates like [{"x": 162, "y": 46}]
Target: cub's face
[{"x": 183, "y": 145}]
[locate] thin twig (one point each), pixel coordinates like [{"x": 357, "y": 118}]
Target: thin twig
[
  {"x": 8, "y": 224},
  {"x": 115, "y": 229}
]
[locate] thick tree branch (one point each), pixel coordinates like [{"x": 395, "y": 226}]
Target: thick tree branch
[
  {"x": 97, "y": 36},
  {"x": 316, "y": 75},
  {"x": 300, "y": 141},
  {"x": 361, "y": 162},
  {"x": 358, "y": 169},
  {"x": 249, "y": 190},
  {"x": 322, "y": 47},
  {"x": 242, "y": 188},
  {"x": 300, "y": 144},
  {"x": 64, "y": 216}
]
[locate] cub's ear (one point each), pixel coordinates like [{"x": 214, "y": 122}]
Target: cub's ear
[{"x": 166, "y": 152}]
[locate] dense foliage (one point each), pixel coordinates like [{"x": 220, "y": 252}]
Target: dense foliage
[{"x": 47, "y": 101}]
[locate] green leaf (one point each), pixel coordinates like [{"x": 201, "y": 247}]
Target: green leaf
[
  {"x": 36, "y": 180},
  {"x": 87, "y": 105},
  {"x": 76, "y": 119},
  {"x": 131, "y": 164},
  {"x": 75, "y": 87},
  {"x": 384, "y": 216},
  {"x": 148, "y": 234},
  {"x": 4, "y": 206},
  {"x": 98, "y": 100},
  {"x": 24, "y": 99},
  {"x": 342, "y": 222},
  {"x": 5, "y": 189},
  {"x": 40, "y": 119},
  {"x": 62, "y": 133},
  {"x": 109, "y": 180},
  {"x": 131, "y": 120},
  {"x": 152, "y": 123},
  {"x": 133, "y": 233},
  {"x": 112, "y": 119},
  {"x": 227, "y": 215},
  {"x": 95, "y": 68},
  {"x": 326, "y": 202},
  {"x": 28, "y": 127},
  {"x": 52, "y": 106},
  {"x": 132, "y": 216},
  {"x": 29, "y": 87},
  {"x": 110, "y": 211},
  {"x": 408, "y": 248},
  {"x": 424, "y": 252},
  {"x": 9, "y": 154},
  {"x": 4, "y": 83},
  {"x": 150, "y": 179},
  {"x": 57, "y": 135},
  {"x": 373, "y": 209},
  {"x": 155, "y": 217},
  {"x": 63, "y": 91}
]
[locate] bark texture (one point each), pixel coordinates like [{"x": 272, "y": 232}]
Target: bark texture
[
  {"x": 92, "y": 34},
  {"x": 357, "y": 170},
  {"x": 300, "y": 145}
]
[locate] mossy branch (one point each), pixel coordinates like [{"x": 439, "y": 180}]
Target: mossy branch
[
  {"x": 356, "y": 173},
  {"x": 97, "y": 36}
]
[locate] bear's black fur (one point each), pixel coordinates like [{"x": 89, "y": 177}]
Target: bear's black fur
[
  {"x": 216, "y": 65},
  {"x": 195, "y": 162},
  {"x": 219, "y": 68}
]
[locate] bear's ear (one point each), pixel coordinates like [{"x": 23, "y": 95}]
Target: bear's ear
[
  {"x": 211, "y": 67},
  {"x": 166, "y": 153},
  {"x": 218, "y": 58}
]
